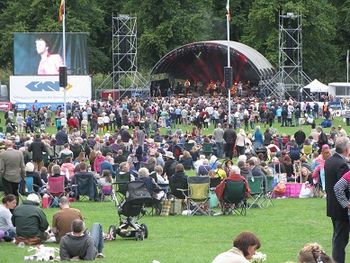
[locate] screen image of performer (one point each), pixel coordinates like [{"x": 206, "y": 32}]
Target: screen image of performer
[{"x": 49, "y": 63}]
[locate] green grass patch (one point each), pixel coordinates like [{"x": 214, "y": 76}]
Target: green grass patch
[{"x": 283, "y": 230}]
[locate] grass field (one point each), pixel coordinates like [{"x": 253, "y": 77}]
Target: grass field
[{"x": 283, "y": 229}]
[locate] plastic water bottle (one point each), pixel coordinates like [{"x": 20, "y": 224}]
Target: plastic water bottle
[{"x": 45, "y": 201}]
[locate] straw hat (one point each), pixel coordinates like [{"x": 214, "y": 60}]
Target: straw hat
[{"x": 169, "y": 155}]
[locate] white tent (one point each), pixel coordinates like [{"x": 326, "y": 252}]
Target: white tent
[{"x": 316, "y": 86}]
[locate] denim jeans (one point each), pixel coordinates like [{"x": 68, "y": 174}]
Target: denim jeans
[
  {"x": 97, "y": 235},
  {"x": 220, "y": 149}
]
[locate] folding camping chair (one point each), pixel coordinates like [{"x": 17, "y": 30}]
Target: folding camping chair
[
  {"x": 234, "y": 198},
  {"x": 198, "y": 195},
  {"x": 85, "y": 185},
  {"x": 268, "y": 192},
  {"x": 55, "y": 188},
  {"x": 26, "y": 187},
  {"x": 207, "y": 149},
  {"x": 107, "y": 191},
  {"x": 121, "y": 182},
  {"x": 256, "y": 190}
]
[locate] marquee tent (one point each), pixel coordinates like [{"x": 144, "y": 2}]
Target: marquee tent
[{"x": 317, "y": 86}]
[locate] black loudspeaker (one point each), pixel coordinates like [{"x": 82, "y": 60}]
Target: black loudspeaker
[
  {"x": 228, "y": 77},
  {"x": 63, "y": 77}
]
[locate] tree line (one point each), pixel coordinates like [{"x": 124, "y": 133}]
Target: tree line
[{"x": 165, "y": 25}]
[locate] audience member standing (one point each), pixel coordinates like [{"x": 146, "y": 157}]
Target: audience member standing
[
  {"x": 37, "y": 147},
  {"x": 61, "y": 140},
  {"x": 12, "y": 169},
  {"x": 218, "y": 136},
  {"x": 230, "y": 137},
  {"x": 335, "y": 167}
]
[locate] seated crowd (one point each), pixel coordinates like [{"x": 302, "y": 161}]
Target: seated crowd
[{"x": 87, "y": 163}]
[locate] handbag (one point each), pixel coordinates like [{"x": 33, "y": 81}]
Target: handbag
[{"x": 280, "y": 188}]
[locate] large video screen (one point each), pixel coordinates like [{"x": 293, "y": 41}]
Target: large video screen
[{"x": 42, "y": 53}]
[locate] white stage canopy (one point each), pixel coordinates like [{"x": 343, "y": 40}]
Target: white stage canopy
[{"x": 316, "y": 86}]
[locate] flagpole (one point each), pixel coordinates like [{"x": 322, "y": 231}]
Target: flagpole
[
  {"x": 347, "y": 66},
  {"x": 64, "y": 56},
  {"x": 228, "y": 57}
]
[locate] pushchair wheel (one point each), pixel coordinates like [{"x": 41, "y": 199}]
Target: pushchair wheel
[
  {"x": 144, "y": 230},
  {"x": 140, "y": 235},
  {"x": 112, "y": 231}
]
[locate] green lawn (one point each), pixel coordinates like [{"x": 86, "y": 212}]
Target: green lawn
[{"x": 282, "y": 229}]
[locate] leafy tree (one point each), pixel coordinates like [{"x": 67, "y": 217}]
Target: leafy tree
[
  {"x": 164, "y": 25},
  {"x": 318, "y": 30}
]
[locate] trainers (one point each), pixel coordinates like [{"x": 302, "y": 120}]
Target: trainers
[{"x": 100, "y": 255}]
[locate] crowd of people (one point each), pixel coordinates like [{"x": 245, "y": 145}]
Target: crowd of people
[{"x": 104, "y": 139}]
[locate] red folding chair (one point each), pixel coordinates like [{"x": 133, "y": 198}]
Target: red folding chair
[{"x": 55, "y": 187}]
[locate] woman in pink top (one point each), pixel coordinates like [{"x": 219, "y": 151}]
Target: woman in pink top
[
  {"x": 67, "y": 168},
  {"x": 98, "y": 160},
  {"x": 318, "y": 165}
]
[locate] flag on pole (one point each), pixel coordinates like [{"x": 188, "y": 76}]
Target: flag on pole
[
  {"x": 228, "y": 13},
  {"x": 61, "y": 11}
]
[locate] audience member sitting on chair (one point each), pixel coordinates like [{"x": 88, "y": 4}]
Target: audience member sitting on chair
[
  {"x": 178, "y": 181},
  {"x": 107, "y": 164},
  {"x": 66, "y": 152},
  {"x": 161, "y": 179},
  {"x": 105, "y": 179},
  {"x": 244, "y": 247},
  {"x": 233, "y": 176},
  {"x": 86, "y": 183},
  {"x": 78, "y": 244},
  {"x": 30, "y": 222},
  {"x": 37, "y": 183},
  {"x": 204, "y": 169},
  {"x": 186, "y": 160},
  {"x": 56, "y": 172},
  {"x": 68, "y": 168},
  {"x": 153, "y": 188}
]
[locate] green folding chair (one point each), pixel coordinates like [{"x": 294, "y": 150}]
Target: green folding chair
[
  {"x": 234, "y": 198},
  {"x": 256, "y": 190}
]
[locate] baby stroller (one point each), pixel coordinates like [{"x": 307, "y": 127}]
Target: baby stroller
[{"x": 130, "y": 211}]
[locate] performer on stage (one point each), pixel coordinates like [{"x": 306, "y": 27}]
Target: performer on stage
[{"x": 49, "y": 63}]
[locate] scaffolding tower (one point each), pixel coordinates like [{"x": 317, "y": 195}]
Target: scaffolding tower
[
  {"x": 125, "y": 75},
  {"x": 290, "y": 78}
]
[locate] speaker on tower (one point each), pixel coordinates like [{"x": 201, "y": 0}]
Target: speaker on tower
[{"x": 63, "y": 76}]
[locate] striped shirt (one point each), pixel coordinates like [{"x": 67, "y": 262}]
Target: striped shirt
[{"x": 340, "y": 190}]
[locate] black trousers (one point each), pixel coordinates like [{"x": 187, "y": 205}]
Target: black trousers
[
  {"x": 340, "y": 239},
  {"x": 10, "y": 188},
  {"x": 229, "y": 150}
]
